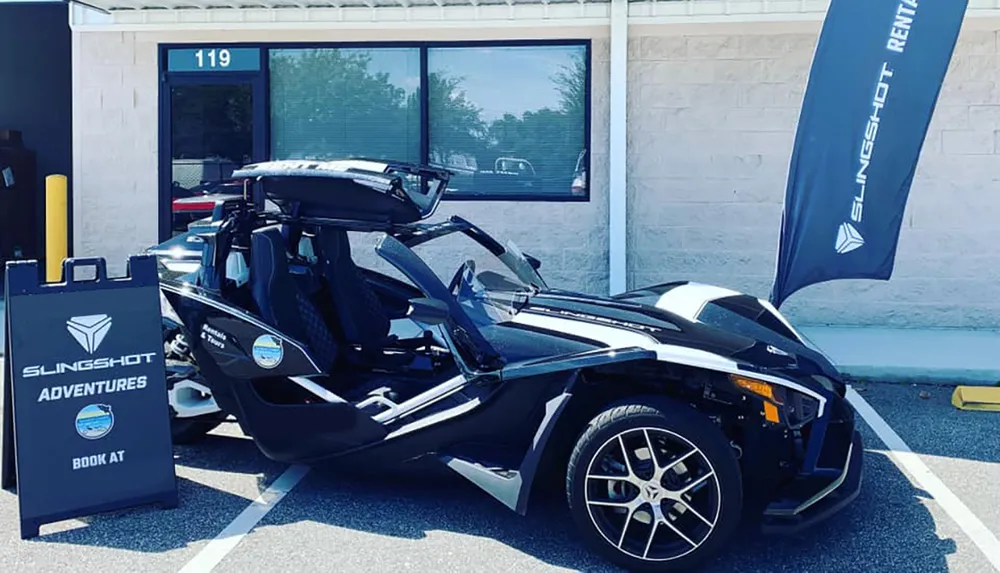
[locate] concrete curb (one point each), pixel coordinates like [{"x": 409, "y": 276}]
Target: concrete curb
[
  {"x": 938, "y": 356},
  {"x": 937, "y": 377}
]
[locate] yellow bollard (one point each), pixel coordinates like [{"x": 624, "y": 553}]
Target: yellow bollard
[{"x": 56, "y": 226}]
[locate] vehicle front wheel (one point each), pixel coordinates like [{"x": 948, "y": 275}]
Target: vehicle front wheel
[{"x": 653, "y": 485}]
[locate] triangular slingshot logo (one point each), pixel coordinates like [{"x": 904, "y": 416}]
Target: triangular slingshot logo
[
  {"x": 89, "y": 330},
  {"x": 848, "y": 239}
]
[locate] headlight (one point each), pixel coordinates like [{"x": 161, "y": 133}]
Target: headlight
[{"x": 780, "y": 404}]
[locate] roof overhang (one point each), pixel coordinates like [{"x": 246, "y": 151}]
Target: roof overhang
[{"x": 139, "y": 15}]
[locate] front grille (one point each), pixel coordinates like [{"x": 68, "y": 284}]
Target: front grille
[{"x": 839, "y": 432}]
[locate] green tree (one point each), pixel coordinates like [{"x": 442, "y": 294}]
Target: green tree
[
  {"x": 551, "y": 139},
  {"x": 328, "y": 103},
  {"x": 457, "y": 127},
  {"x": 571, "y": 82}
]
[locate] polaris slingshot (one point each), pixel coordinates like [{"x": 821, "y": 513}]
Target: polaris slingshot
[{"x": 669, "y": 413}]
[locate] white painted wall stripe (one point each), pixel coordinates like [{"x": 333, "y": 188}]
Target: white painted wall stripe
[
  {"x": 227, "y": 540},
  {"x": 924, "y": 478}
]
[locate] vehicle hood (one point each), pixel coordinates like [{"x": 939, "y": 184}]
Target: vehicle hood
[{"x": 696, "y": 316}]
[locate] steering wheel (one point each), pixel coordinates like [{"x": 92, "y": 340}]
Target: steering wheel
[{"x": 456, "y": 280}]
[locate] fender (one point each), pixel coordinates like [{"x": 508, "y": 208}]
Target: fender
[{"x": 513, "y": 487}]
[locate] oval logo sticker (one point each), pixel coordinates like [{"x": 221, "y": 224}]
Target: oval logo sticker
[
  {"x": 268, "y": 351},
  {"x": 94, "y": 421}
]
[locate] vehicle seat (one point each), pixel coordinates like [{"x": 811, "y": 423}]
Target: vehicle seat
[
  {"x": 359, "y": 313},
  {"x": 358, "y": 309},
  {"x": 281, "y": 302}
]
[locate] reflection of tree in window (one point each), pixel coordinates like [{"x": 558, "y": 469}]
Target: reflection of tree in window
[
  {"x": 328, "y": 103},
  {"x": 533, "y": 150}
]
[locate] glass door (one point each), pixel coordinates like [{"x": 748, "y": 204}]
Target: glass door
[
  {"x": 212, "y": 123},
  {"x": 211, "y": 133}
]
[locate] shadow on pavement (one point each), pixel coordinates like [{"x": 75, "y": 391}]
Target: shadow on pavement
[
  {"x": 887, "y": 528},
  {"x": 203, "y": 511}
]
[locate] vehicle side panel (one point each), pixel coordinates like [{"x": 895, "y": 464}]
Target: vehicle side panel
[
  {"x": 501, "y": 444},
  {"x": 498, "y": 430},
  {"x": 228, "y": 336},
  {"x": 220, "y": 339}
]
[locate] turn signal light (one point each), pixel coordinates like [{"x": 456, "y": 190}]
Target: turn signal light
[
  {"x": 758, "y": 387},
  {"x": 771, "y": 413}
]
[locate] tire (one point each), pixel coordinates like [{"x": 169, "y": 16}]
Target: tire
[
  {"x": 180, "y": 366},
  {"x": 718, "y": 498}
]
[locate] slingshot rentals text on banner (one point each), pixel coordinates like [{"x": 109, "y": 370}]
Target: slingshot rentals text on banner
[{"x": 874, "y": 82}]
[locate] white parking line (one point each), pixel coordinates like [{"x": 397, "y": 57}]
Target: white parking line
[
  {"x": 904, "y": 457},
  {"x": 217, "y": 549}
]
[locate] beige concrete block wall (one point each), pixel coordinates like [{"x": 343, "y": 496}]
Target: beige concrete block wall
[
  {"x": 712, "y": 116},
  {"x": 115, "y": 140}
]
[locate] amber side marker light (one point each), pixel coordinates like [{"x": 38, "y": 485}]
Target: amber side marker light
[{"x": 764, "y": 390}]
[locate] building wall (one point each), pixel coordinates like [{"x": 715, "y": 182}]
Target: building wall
[
  {"x": 116, "y": 136},
  {"x": 712, "y": 113},
  {"x": 712, "y": 117}
]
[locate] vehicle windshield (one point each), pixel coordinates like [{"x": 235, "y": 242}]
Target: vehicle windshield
[{"x": 491, "y": 288}]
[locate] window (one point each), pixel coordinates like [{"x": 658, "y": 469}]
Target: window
[
  {"x": 336, "y": 102},
  {"x": 211, "y": 134},
  {"x": 508, "y": 120}
]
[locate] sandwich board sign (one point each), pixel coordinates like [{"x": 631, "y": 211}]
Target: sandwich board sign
[{"x": 86, "y": 425}]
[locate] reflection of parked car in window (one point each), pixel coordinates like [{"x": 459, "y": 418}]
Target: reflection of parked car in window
[
  {"x": 513, "y": 165},
  {"x": 508, "y": 174},
  {"x": 579, "y": 186},
  {"x": 195, "y": 187},
  {"x": 457, "y": 163},
  {"x": 190, "y": 205}
]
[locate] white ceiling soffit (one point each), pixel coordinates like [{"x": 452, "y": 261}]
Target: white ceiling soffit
[{"x": 122, "y": 15}]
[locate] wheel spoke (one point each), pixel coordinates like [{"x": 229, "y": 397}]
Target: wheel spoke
[
  {"x": 687, "y": 506},
  {"x": 695, "y": 483},
  {"x": 628, "y": 520},
  {"x": 649, "y": 542},
  {"x": 629, "y": 479},
  {"x": 627, "y": 504},
  {"x": 660, "y": 471},
  {"x": 628, "y": 462},
  {"x": 666, "y": 522},
  {"x": 652, "y": 452}
]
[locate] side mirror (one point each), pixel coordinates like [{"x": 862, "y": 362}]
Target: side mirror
[
  {"x": 535, "y": 263},
  {"x": 427, "y": 311}
]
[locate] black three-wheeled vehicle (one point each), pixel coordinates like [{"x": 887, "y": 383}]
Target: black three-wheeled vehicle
[{"x": 668, "y": 412}]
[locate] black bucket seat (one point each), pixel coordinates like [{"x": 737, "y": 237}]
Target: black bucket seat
[
  {"x": 282, "y": 301},
  {"x": 364, "y": 324}
]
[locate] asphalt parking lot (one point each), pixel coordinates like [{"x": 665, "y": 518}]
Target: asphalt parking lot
[{"x": 337, "y": 524}]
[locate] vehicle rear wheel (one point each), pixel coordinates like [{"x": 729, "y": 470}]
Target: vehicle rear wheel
[
  {"x": 184, "y": 393},
  {"x": 653, "y": 485},
  {"x": 193, "y": 411}
]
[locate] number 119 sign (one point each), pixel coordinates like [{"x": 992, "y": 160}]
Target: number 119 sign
[{"x": 213, "y": 59}]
